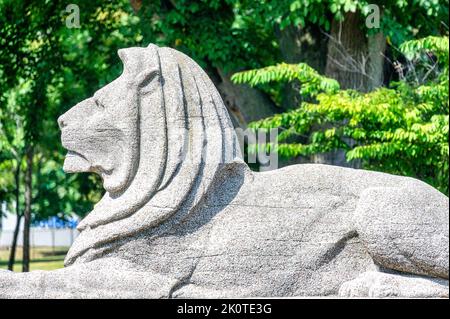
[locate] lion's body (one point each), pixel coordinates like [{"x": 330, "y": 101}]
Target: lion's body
[{"x": 243, "y": 241}]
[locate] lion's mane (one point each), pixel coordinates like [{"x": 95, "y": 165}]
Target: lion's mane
[{"x": 195, "y": 140}]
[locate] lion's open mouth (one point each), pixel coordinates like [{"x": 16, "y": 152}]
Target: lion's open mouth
[
  {"x": 73, "y": 153},
  {"x": 75, "y": 163}
]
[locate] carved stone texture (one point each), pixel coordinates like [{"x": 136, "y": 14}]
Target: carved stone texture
[{"x": 183, "y": 216}]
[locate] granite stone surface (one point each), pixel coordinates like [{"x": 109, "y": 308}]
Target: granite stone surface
[{"x": 184, "y": 216}]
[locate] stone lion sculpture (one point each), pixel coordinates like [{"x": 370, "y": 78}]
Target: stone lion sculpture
[{"x": 183, "y": 216}]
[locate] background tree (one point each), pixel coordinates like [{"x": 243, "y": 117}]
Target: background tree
[{"x": 11, "y": 160}]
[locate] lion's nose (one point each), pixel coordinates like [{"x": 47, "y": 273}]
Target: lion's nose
[{"x": 61, "y": 122}]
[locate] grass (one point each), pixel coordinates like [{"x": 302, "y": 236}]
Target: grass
[{"x": 42, "y": 258}]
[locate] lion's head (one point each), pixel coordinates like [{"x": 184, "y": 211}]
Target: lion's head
[
  {"x": 157, "y": 135},
  {"x": 101, "y": 132}
]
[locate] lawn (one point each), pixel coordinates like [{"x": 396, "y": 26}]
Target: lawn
[{"x": 42, "y": 258}]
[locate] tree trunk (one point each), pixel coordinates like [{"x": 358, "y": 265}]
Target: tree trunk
[
  {"x": 347, "y": 63},
  {"x": 348, "y": 53},
  {"x": 12, "y": 253},
  {"x": 27, "y": 210},
  {"x": 375, "y": 68}
]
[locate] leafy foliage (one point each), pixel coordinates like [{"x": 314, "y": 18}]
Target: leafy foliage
[
  {"x": 401, "y": 19},
  {"x": 401, "y": 130},
  {"x": 312, "y": 82}
]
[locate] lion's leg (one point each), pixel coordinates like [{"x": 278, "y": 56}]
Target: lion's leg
[
  {"x": 383, "y": 285},
  {"x": 407, "y": 230},
  {"x": 103, "y": 278}
]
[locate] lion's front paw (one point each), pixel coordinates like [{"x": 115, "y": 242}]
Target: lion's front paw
[
  {"x": 383, "y": 290},
  {"x": 370, "y": 284},
  {"x": 358, "y": 287},
  {"x": 382, "y": 285},
  {"x": 347, "y": 289}
]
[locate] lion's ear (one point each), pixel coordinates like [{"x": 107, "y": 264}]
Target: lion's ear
[
  {"x": 123, "y": 56},
  {"x": 137, "y": 66}
]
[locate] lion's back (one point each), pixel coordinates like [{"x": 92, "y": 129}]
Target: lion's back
[
  {"x": 285, "y": 232},
  {"x": 277, "y": 234}
]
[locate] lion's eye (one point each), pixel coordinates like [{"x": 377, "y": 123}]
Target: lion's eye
[{"x": 99, "y": 104}]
